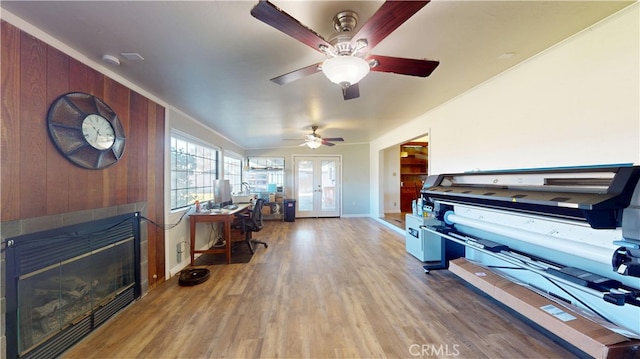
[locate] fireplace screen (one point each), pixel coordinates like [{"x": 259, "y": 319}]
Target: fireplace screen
[{"x": 63, "y": 279}]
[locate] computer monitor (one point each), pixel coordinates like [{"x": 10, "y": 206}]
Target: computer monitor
[{"x": 222, "y": 192}]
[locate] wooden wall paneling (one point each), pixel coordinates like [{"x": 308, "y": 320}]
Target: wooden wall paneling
[
  {"x": 156, "y": 193},
  {"x": 136, "y": 150},
  {"x": 160, "y": 185},
  {"x": 35, "y": 179},
  {"x": 57, "y": 167},
  {"x": 9, "y": 122},
  {"x": 115, "y": 178},
  {"x": 80, "y": 196},
  {"x": 33, "y": 133},
  {"x": 151, "y": 164},
  {"x": 95, "y": 179},
  {"x": 152, "y": 203}
]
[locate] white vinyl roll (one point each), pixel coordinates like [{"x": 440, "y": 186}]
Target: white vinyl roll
[{"x": 584, "y": 250}]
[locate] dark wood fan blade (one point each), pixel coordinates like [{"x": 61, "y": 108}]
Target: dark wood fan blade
[
  {"x": 402, "y": 66},
  {"x": 280, "y": 20},
  {"x": 297, "y": 74},
  {"x": 334, "y": 139},
  {"x": 328, "y": 143},
  {"x": 351, "y": 92},
  {"x": 386, "y": 19}
]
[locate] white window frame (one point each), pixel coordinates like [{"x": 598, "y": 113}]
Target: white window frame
[
  {"x": 234, "y": 177},
  {"x": 262, "y": 171},
  {"x": 206, "y": 158}
]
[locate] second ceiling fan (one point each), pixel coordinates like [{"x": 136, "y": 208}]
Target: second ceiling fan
[
  {"x": 348, "y": 58},
  {"x": 314, "y": 140}
]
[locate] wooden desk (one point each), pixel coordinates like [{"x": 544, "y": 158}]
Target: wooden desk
[{"x": 225, "y": 217}]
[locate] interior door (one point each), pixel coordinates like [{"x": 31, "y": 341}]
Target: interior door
[{"x": 317, "y": 186}]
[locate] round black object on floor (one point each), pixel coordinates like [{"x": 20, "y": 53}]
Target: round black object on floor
[{"x": 193, "y": 276}]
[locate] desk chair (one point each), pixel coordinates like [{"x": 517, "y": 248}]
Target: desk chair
[{"x": 251, "y": 223}]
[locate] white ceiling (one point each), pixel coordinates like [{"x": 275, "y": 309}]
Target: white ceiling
[{"x": 212, "y": 60}]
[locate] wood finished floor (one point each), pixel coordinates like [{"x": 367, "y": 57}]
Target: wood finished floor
[
  {"x": 396, "y": 219},
  {"x": 325, "y": 288}
]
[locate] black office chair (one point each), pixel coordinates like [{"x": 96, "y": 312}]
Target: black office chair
[{"x": 251, "y": 223}]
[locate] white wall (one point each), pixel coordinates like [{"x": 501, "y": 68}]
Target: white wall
[
  {"x": 577, "y": 103},
  {"x": 391, "y": 183}
]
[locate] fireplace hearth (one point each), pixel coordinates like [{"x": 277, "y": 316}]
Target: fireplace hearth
[{"x": 63, "y": 283}]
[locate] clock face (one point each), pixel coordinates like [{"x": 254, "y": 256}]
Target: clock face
[
  {"x": 98, "y": 132},
  {"x": 86, "y": 131}
]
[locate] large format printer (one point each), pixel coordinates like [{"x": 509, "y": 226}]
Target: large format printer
[{"x": 570, "y": 233}]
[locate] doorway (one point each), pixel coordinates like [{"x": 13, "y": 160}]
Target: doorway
[
  {"x": 413, "y": 172},
  {"x": 317, "y": 183},
  {"x": 399, "y": 189}
]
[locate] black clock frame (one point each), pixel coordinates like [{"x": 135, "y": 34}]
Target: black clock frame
[{"x": 64, "y": 121}]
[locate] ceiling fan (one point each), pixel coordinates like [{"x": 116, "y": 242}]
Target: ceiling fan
[
  {"x": 348, "y": 58},
  {"x": 314, "y": 140}
]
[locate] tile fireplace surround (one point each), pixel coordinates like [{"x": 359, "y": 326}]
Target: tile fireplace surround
[{"x": 31, "y": 225}]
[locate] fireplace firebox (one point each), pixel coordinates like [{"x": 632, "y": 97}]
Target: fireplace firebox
[{"x": 65, "y": 282}]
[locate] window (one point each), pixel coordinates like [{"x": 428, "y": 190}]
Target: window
[
  {"x": 233, "y": 171},
  {"x": 194, "y": 166},
  {"x": 266, "y": 174}
]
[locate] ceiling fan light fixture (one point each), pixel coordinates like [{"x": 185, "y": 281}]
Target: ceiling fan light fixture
[
  {"x": 345, "y": 70},
  {"x": 314, "y": 144}
]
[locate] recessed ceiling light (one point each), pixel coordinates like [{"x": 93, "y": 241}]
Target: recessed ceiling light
[
  {"x": 506, "y": 55},
  {"x": 111, "y": 60},
  {"x": 132, "y": 56}
]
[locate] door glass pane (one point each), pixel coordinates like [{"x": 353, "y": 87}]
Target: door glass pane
[
  {"x": 305, "y": 185},
  {"x": 328, "y": 185}
]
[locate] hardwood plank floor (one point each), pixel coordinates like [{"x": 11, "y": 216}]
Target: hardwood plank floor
[
  {"x": 325, "y": 288},
  {"x": 396, "y": 219}
]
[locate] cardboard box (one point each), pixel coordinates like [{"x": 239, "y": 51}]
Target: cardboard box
[
  {"x": 586, "y": 335},
  {"x": 266, "y": 210}
]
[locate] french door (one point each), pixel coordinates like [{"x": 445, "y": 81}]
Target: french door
[{"x": 317, "y": 186}]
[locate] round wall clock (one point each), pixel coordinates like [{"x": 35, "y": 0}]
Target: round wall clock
[{"x": 85, "y": 130}]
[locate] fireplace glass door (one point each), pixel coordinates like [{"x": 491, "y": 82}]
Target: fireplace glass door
[
  {"x": 55, "y": 297},
  {"x": 63, "y": 279}
]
